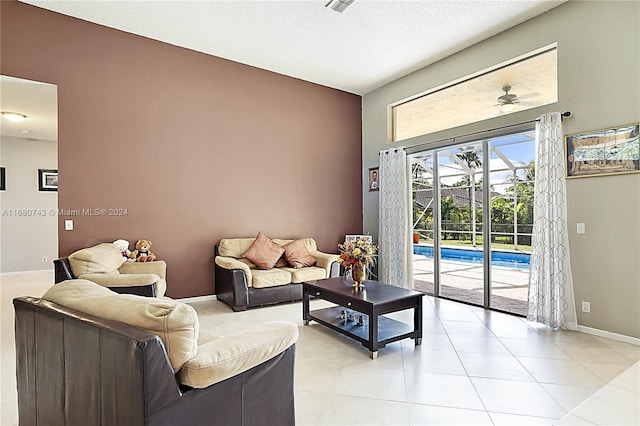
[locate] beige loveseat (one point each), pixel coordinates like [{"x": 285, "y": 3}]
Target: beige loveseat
[
  {"x": 241, "y": 284},
  {"x": 103, "y": 264},
  {"x": 136, "y": 360}
]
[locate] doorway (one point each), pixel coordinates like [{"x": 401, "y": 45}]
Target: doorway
[
  {"x": 472, "y": 220},
  {"x": 29, "y": 158}
]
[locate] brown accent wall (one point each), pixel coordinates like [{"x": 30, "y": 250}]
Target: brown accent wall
[{"x": 195, "y": 147}]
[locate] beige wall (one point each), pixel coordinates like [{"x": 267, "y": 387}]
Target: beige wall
[
  {"x": 28, "y": 223},
  {"x": 599, "y": 69},
  {"x": 194, "y": 147}
]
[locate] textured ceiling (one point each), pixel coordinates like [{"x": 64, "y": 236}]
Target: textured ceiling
[{"x": 369, "y": 45}]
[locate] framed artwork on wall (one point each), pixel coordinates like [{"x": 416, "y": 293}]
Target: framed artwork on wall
[
  {"x": 351, "y": 238},
  {"x": 603, "y": 152},
  {"x": 3, "y": 179},
  {"x": 47, "y": 180},
  {"x": 374, "y": 179}
]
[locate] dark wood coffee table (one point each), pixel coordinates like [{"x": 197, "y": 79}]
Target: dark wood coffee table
[{"x": 373, "y": 301}]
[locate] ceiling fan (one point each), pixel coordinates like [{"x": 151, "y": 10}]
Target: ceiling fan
[{"x": 507, "y": 101}]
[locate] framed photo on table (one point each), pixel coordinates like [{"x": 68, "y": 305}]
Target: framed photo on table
[
  {"x": 351, "y": 238},
  {"x": 47, "y": 180},
  {"x": 374, "y": 179},
  {"x": 603, "y": 152}
]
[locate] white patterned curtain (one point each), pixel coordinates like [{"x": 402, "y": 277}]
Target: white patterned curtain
[
  {"x": 395, "y": 263},
  {"x": 551, "y": 300}
]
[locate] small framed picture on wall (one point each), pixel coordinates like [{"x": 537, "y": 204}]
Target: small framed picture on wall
[
  {"x": 374, "y": 179},
  {"x": 3, "y": 179},
  {"x": 47, "y": 180}
]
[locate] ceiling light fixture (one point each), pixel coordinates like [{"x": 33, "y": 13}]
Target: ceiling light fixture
[
  {"x": 508, "y": 101},
  {"x": 507, "y": 107},
  {"x": 13, "y": 116},
  {"x": 339, "y": 5}
]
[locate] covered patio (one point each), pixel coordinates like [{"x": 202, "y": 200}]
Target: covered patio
[{"x": 463, "y": 281}]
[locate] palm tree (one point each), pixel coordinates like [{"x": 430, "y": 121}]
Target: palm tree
[
  {"x": 448, "y": 212},
  {"x": 472, "y": 159},
  {"x": 522, "y": 189}
]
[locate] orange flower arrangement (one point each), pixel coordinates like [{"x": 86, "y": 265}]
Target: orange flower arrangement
[{"x": 360, "y": 251}]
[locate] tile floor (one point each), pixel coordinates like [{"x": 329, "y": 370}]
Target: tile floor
[{"x": 473, "y": 368}]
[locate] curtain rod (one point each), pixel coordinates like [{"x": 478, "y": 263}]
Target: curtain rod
[{"x": 562, "y": 117}]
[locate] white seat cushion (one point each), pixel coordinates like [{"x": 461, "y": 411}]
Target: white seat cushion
[
  {"x": 228, "y": 356},
  {"x": 308, "y": 273},
  {"x": 270, "y": 278}
]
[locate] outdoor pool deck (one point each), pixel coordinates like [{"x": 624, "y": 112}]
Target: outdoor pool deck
[{"x": 464, "y": 281}]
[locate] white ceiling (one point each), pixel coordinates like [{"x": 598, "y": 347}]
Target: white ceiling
[
  {"x": 369, "y": 45},
  {"x": 38, "y": 101}
]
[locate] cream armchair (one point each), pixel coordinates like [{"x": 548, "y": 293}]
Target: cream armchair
[{"x": 104, "y": 265}]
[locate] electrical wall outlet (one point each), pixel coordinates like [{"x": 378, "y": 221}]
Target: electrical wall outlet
[
  {"x": 586, "y": 307},
  {"x": 44, "y": 259},
  {"x": 68, "y": 225},
  {"x": 580, "y": 228}
]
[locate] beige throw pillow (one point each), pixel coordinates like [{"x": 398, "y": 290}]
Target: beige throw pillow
[
  {"x": 297, "y": 255},
  {"x": 100, "y": 259},
  {"x": 264, "y": 253},
  {"x": 174, "y": 322}
]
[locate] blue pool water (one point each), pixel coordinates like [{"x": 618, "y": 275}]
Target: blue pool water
[{"x": 498, "y": 258}]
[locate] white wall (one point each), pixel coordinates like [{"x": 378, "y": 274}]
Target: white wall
[
  {"x": 26, "y": 239},
  {"x": 599, "y": 81}
]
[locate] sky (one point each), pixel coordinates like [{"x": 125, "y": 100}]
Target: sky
[{"x": 518, "y": 149}]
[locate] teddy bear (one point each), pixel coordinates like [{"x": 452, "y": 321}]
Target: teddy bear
[
  {"x": 142, "y": 252},
  {"x": 123, "y": 247}
]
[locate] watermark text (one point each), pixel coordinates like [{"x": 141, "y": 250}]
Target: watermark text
[{"x": 65, "y": 212}]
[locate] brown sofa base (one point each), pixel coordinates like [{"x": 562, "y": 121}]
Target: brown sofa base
[{"x": 231, "y": 288}]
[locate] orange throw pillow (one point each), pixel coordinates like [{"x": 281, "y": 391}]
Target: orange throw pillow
[
  {"x": 264, "y": 253},
  {"x": 297, "y": 255}
]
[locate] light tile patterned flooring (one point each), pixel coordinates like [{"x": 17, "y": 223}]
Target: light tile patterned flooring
[{"x": 474, "y": 367}]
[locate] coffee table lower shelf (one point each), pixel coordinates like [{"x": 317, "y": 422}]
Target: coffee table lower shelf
[{"x": 389, "y": 330}]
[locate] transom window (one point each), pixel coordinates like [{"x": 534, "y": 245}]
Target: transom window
[{"x": 522, "y": 83}]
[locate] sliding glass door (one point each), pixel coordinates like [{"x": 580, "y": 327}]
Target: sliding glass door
[
  {"x": 472, "y": 221},
  {"x": 423, "y": 224},
  {"x": 461, "y": 250},
  {"x": 512, "y": 183}
]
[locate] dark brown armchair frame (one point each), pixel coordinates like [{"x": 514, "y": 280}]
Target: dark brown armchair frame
[{"x": 77, "y": 369}]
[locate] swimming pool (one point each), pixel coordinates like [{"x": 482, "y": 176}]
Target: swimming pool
[{"x": 498, "y": 258}]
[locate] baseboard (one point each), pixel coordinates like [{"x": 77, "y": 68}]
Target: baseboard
[
  {"x": 609, "y": 335},
  {"x": 11, "y": 274},
  {"x": 206, "y": 298}
]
